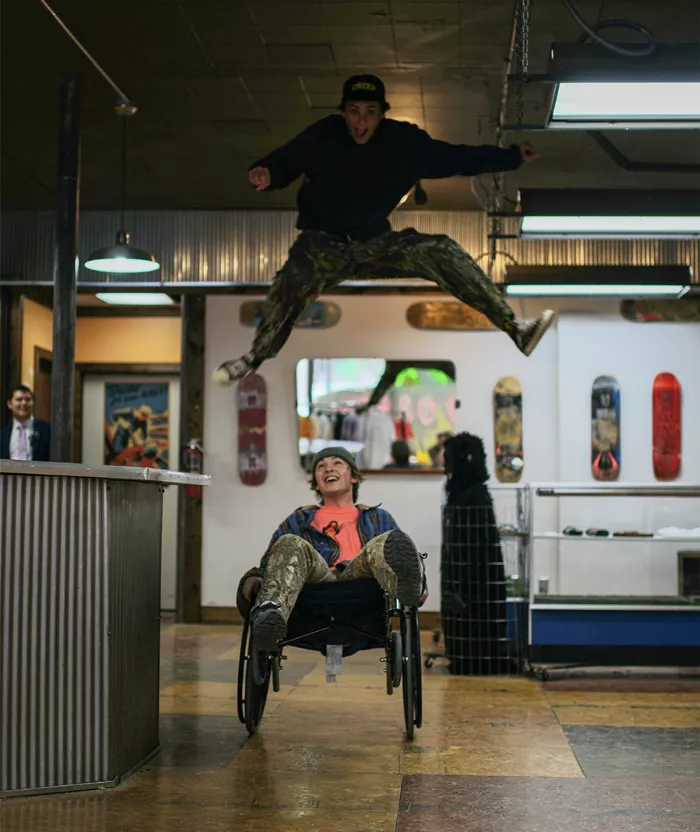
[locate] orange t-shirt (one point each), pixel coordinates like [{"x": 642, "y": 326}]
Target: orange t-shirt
[{"x": 340, "y": 523}]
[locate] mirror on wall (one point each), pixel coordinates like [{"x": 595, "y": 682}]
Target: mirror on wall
[{"x": 393, "y": 415}]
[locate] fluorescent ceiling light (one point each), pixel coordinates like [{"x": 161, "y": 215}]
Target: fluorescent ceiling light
[
  {"x": 601, "y": 281},
  {"x": 611, "y": 214},
  {"x": 584, "y": 289},
  {"x": 610, "y": 226},
  {"x": 586, "y": 105},
  {"x": 135, "y": 298},
  {"x": 596, "y": 89}
]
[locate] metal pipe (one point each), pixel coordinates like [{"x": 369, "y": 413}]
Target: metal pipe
[
  {"x": 620, "y": 491},
  {"x": 65, "y": 289},
  {"x": 639, "y": 167},
  {"x": 75, "y": 40}
]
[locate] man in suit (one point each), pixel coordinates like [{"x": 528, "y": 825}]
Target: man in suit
[{"x": 25, "y": 438}]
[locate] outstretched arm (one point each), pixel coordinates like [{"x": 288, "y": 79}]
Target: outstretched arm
[
  {"x": 440, "y": 159},
  {"x": 281, "y": 167}
]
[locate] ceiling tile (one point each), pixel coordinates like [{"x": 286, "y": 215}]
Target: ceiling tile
[{"x": 301, "y": 54}]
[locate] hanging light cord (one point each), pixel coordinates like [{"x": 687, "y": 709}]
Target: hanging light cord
[
  {"x": 122, "y": 227},
  {"x": 75, "y": 40},
  {"x": 619, "y": 23}
]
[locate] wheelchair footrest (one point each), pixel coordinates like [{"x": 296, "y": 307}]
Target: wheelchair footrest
[{"x": 334, "y": 660}]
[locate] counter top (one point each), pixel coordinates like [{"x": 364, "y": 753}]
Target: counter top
[{"x": 102, "y": 472}]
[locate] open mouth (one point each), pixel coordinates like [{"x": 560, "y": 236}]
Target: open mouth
[
  {"x": 330, "y": 478},
  {"x": 361, "y": 134}
]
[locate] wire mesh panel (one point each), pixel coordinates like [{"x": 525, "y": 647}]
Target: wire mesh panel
[{"x": 484, "y": 599}]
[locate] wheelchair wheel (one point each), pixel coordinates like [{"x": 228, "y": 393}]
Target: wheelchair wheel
[
  {"x": 409, "y": 670},
  {"x": 254, "y": 673}
]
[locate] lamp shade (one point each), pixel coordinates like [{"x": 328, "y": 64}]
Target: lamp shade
[{"x": 122, "y": 258}]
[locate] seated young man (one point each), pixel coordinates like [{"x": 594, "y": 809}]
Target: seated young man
[{"x": 338, "y": 540}]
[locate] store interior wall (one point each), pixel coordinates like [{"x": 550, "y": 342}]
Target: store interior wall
[
  {"x": 590, "y": 339},
  {"x": 239, "y": 520},
  {"x": 634, "y": 353},
  {"x": 120, "y": 340}
]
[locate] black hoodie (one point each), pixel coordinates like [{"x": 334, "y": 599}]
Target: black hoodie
[{"x": 350, "y": 189}]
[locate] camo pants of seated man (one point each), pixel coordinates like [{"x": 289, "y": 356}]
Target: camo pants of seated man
[{"x": 293, "y": 562}]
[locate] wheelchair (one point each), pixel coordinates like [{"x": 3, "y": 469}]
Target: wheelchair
[{"x": 357, "y": 615}]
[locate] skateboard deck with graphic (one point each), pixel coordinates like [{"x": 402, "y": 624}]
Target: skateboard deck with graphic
[
  {"x": 508, "y": 429},
  {"x": 321, "y": 314},
  {"x": 666, "y": 426},
  {"x": 684, "y": 310},
  {"x": 252, "y": 427},
  {"x": 605, "y": 429},
  {"x": 441, "y": 314}
]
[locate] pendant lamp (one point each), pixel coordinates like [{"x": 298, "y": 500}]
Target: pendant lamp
[{"x": 122, "y": 257}]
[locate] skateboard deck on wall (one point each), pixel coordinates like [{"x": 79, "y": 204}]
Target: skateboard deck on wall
[
  {"x": 666, "y": 426},
  {"x": 440, "y": 314},
  {"x": 508, "y": 429},
  {"x": 321, "y": 314},
  {"x": 684, "y": 310},
  {"x": 605, "y": 429},
  {"x": 252, "y": 427}
]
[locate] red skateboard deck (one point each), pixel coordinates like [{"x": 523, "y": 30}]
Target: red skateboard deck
[
  {"x": 666, "y": 421},
  {"x": 252, "y": 428}
]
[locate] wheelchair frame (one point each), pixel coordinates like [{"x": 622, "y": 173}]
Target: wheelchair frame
[{"x": 402, "y": 659}]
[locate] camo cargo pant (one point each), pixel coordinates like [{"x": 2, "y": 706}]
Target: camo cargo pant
[
  {"x": 293, "y": 562},
  {"x": 318, "y": 262}
]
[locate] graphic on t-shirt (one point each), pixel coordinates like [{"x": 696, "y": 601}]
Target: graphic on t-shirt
[{"x": 332, "y": 529}]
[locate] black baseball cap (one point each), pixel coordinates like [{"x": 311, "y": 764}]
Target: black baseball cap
[
  {"x": 334, "y": 450},
  {"x": 364, "y": 88}
]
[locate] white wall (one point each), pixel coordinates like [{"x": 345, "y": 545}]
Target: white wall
[
  {"x": 633, "y": 353},
  {"x": 591, "y": 339},
  {"x": 239, "y": 520}
]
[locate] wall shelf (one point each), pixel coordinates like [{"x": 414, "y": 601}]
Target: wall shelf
[{"x": 610, "y": 538}]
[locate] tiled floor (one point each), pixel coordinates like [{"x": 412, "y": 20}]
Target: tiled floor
[{"x": 585, "y": 754}]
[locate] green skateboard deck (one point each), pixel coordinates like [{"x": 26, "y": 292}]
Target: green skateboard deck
[
  {"x": 321, "y": 314},
  {"x": 508, "y": 429},
  {"x": 450, "y": 315}
]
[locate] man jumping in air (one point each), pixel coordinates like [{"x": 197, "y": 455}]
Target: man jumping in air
[{"x": 357, "y": 166}]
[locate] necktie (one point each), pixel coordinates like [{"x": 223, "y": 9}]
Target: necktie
[{"x": 22, "y": 442}]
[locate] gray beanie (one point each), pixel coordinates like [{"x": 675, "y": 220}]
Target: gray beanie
[{"x": 334, "y": 450}]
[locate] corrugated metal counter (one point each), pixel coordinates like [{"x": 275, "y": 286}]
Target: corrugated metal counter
[{"x": 79, "y": 622}]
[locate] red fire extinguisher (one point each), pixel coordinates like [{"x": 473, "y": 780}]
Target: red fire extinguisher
[{"x": 192, "y": 459}]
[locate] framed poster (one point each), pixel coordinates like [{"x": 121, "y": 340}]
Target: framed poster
[{"x": 137, "y": 424}]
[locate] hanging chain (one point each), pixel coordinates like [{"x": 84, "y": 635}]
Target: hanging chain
[{"x": 523, "y": 50}]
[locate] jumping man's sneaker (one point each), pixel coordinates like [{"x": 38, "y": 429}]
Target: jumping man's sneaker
[
  {"x": 231, "y": 371},
  {"x": 406, "y": 563},
  {"x": 530, "y": 334},
  {"x": 268, "y": 625}
]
